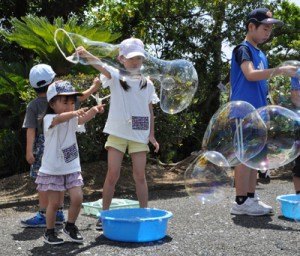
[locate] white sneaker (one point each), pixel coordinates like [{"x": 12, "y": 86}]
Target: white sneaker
[
  {"x": 249, "y": 207},
  {"x": 261, "y": 203}
]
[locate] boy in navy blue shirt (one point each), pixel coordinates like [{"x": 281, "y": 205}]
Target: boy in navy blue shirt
[
  {"x": 249, "y": 72},
  {"x": 295, "y": 95}
]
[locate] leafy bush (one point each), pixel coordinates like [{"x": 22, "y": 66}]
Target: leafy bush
[
  {"x": 175, "y": 133},
  {"x": 12, "y": 152}
]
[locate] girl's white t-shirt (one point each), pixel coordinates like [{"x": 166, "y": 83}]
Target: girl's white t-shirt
[
  {"x": 129, "y": 114},
  {"x": 61, "y": 155}
]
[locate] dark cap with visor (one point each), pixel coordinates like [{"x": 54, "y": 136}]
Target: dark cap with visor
[{"x": 263, "y": 16}]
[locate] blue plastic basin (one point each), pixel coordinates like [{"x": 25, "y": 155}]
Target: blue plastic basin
[
  {"x": 135, "y": 224},
  {"x": 290, "y": 206}
]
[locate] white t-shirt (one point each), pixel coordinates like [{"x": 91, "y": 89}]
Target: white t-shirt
[
  {"x": 129, "y": 114},
  {"x": 61, "y": 155}
]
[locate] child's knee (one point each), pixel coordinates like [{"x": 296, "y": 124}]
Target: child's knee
[{"x": 77, "y": 201}]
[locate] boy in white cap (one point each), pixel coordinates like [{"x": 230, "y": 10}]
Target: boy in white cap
[{"x": 40, "y": 77}]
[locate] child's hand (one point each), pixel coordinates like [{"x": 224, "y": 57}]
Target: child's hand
[
  {"x": 289, "y": 70},
  {"x": 30, "y": 158},
  {"x": 80, "y": 112},
  {"x": 94, "y": 88},
  {"x": 99, "y": 108},
  {"x": 82, "y": 52},
  {"x": 96, "y": 84},
  {"x": 154, "y": 143}
]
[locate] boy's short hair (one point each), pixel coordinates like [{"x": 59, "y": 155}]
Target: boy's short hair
[{"x": 262, "y": 16}]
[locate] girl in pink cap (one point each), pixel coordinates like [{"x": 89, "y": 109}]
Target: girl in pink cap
[{"x": 130, "y": 122}]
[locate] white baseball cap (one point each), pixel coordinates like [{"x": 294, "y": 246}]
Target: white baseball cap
[
  {"x": 61, "y": 88},
  {"x": 41, "y": 75},
  {"x": 131, "y": 47}
]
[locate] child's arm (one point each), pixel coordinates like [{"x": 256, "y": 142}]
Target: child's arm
[
  {"x": 95, "y": 62},
  {"x": 94, "y": 88},
  {"x": 255, "y": 75},
  {"x": 30, "y": 137},
  {"x": 84, "y": 115},
  {"x": 151, "y": 135},
  {"x": 66, "y": 116},
  {"x": 88, "y": 115}
]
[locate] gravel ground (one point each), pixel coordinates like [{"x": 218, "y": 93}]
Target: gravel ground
[{"x": 194, "y": 229}]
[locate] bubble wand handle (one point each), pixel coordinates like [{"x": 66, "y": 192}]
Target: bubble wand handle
[{"x": 98, "y": 99}]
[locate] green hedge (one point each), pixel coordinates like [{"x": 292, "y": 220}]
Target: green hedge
[{"x": 175, "y": 133}]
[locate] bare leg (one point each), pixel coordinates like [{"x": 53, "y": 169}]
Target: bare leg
[
  {"x": 296, "y": 181},
  {"x": 43, "y": 199},
  {"x": 53, "y": 204},
  {"x": 76, "y": 198},
  {"x": 115, "y": 158},
  {"x": 243, "y": 179},
  {"x": 138, "y": 169},
  {"x": 252, "y": 181}
]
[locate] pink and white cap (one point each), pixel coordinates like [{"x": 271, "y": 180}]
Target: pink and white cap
[{"x": 131, "y": 47}]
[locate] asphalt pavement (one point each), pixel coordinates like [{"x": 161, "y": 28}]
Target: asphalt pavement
[{"x": 194, "y": 229}]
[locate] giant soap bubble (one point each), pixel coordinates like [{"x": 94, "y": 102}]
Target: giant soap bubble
[
  {"x": 283, "y": 138},
  {"x": 208, "y": 178},
  {"x": 178, "y": 79},
  {"x": 284, "y": 88},
  {"x": 236, "y": 129}
]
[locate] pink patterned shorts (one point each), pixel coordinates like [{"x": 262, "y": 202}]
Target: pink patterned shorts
[{"x": 47, "y": 182}]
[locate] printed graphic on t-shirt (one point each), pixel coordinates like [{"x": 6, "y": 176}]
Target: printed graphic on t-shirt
[
  {"x": 70, "y": 153},
  {"x": 261, "y": 66},
  {"x": 140, "y": 123}
]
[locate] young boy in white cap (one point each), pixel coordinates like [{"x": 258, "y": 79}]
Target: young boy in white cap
[{"x": 40, "y": 77}]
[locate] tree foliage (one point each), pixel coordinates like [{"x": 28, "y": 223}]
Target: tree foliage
[
  {"x": 37, "y": 34},
  {"x": 50, "y": 9},
  {"x": 194, "y": 30},
  {"x": 191, "y": 29},
  {"x": 286, "y": 44}
]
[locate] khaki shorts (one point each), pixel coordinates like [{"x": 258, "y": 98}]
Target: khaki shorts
[{"x": 121, "y": 145}]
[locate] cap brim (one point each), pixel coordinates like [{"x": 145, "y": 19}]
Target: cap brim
[
  {"x": 70, "y": 93},
  {"x": 134, "y": 54},
  {"x": 272, "y": 21}
]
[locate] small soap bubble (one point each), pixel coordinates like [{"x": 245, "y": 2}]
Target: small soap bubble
[
  {"x": 168, "y": 83},
  {"x": 208, "y": 178}
]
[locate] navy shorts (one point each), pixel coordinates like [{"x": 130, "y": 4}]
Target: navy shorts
[{"x": 38, "y": 151}]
